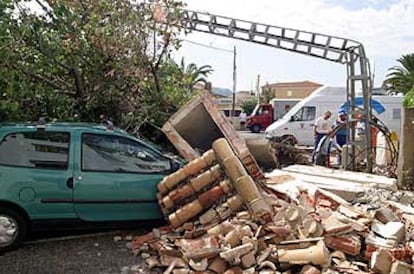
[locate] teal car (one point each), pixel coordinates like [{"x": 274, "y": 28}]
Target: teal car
[{"x": 85, "y": 173}]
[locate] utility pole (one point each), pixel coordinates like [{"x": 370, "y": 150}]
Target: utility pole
[
  {"x": 258, "y": 88},
  {"x": 234, "y": 83}
]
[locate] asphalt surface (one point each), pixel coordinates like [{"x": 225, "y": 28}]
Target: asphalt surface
[{"x": 91, "y": 253}]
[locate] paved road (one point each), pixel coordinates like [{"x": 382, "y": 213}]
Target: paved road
[
  {"x": 249, "y": 135},
  {"x": 88, "y": 254}
]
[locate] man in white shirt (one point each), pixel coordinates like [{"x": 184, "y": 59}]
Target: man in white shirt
[
  {"x": 242, "y": 119},
  {"x": 323, "y": 125}
]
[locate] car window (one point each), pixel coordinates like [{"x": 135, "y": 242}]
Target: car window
[
  {"x": 118, "y": 154},
  {"x": 38, "y": 149}
]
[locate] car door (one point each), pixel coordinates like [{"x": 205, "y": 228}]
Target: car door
[
  {"x": 267, "y": 112},
  {"x": 302, "y": 125},
  {"x": 35, "y": 170},
  {"x": 117, "y": 179}
]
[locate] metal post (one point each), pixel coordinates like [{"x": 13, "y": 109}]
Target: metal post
[
  {"x": 349, "y": 116},
  {"x": 366, "y": 90},
  {"x": 234, "y": 83},
  {"x": 351, "y": 112},
  {"x": 258, "y": 88}
]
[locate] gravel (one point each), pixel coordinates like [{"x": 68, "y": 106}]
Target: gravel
[{"x": 98, "y": 253}]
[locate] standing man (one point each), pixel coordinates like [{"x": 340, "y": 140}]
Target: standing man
[
  {"x": 342, "y": 133},
  {"x": 323, "y": 125},
  {"x": 242, "y": 119}
]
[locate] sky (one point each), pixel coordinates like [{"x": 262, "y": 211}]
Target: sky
[{"x": 384, "y": 27}]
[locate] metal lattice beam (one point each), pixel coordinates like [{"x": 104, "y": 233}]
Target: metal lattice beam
[
  {"x": 327, "y": 47},
  {"x": 323, "y": 46}
]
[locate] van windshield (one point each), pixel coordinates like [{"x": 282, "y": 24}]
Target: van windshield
[{"x": 293, "y": 111}]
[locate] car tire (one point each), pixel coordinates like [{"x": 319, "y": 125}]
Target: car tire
[
  {"x": 255, "y": 128},
  {"x": 13, "y": 229}
]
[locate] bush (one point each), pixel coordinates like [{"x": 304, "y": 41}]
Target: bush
[{"x": 248, "y": 106}]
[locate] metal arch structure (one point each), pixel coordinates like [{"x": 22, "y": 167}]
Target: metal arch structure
[{"x": 327, "y": 47}]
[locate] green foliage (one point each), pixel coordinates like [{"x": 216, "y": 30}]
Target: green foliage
[
  {"x": 267, "y": 95},
  {"x": 248, "y": 106},
  {"x": 193, "y": 74},
  {"x": 401, "y": 78},
  {"x": 79, "y": 60},
  {"x": 409, "y": 99}
]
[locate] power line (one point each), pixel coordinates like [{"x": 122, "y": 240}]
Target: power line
[{"x": 207, "y": 46}]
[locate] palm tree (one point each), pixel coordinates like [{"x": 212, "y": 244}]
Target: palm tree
[
  {"x": 193, "y": 74},
  {"x": 401, "y": 78}
]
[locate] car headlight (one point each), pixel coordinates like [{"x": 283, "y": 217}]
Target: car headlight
[{"x": 268, "y": 134}]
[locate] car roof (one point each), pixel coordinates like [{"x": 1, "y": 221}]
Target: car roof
[{"x": 55, "y": 126}]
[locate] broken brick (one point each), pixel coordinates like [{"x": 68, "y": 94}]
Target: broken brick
[
  {"x": 385, "y": 215},
  {"x": 309, "y": 269},
  {"x": 381, "y": 261},
  {"x": 332, "y": 225},
  {"x": 348, "y": 244},
  {"x": 138, "y": 241},
  {"x": 399, "y": 267}
]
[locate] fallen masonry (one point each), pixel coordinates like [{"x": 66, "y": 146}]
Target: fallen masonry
[
  {"x": 226, "y": 216},
  {"x": 221, "y": 221}
]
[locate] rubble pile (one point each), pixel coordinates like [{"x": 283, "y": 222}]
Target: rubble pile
[
  {"x": 223, "y": 221},
  {"x": 289, "y": 155}
]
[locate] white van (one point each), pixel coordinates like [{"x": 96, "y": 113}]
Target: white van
[
  {"x": 300, "y": 119},
  {"x": 282, "y": 106}
]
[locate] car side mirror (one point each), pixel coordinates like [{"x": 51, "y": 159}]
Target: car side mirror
[
  {"x": 292, "y": 118},
  {"x": 174, "y": 165}
]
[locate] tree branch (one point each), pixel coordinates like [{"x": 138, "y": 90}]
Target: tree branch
[
  {"x": 164, "y": 49},
  {"x": 43, "y": 79},
  {"x": 154, "y": 73},
  {"x": 73, "y": 71},
  {"x": 78, "y": 83}
]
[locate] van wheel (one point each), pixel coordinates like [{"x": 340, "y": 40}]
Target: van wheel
[
  {"x": 13, "y": 229},
  {"x": 255, "y": 128},
  {"x": 289, "y": 140}
]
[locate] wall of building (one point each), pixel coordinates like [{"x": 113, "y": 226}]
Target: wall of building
[{"x": 292, "y": 89}]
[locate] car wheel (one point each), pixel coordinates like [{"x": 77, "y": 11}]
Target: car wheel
[
  {"x": 13, "y": 229},
  {"x": 256, "y": 128}
]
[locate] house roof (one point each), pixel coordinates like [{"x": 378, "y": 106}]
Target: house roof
[{"x": 293, "y": 84}]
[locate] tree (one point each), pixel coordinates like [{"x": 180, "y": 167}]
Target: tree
[
  {"x": 267, "y": 95},
  {"x": 406, "y": 150},
  {"x": 193, "y": 74},
  {"x": 248, "y": 106},
  {"x": 80, "y": 59},
  {"x": 401, "y": 78}
]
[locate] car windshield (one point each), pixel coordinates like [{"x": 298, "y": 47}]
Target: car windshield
[
  {"x": 116, "y": 153},
  {"x": 256, "y": 109}
]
